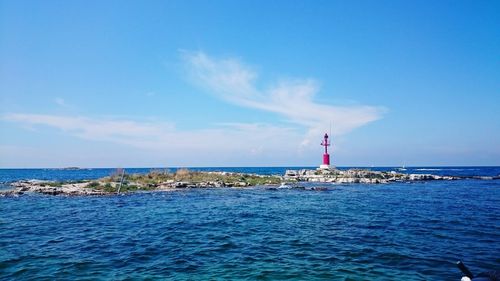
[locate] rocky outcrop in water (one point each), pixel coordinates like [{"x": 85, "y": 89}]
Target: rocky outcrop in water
[
  {"x": 357, "y": 176},
  {"x": 51, "y": 188},
  {"x": 183, "y": 179},
  {"x": 153, "y": 181}
]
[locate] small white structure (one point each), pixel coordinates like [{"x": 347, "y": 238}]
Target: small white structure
[{"x": 324, "y": 167}]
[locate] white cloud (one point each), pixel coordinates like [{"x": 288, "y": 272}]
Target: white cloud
[
  {"x": 235, "y": 82},
  {"x": 237, "y": 143},
  {"x": 61, "y": 102},
  {"x": 224, "y": 143},
  {"x": 120, "y": 131}
]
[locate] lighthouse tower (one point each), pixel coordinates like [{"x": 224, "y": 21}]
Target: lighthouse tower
[{"x": 326, "y": 156}]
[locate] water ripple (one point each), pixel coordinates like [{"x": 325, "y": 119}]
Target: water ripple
[{"x": 354, "y": 232}]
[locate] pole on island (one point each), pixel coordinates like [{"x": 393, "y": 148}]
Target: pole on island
[{"x": 121, "y": 181}]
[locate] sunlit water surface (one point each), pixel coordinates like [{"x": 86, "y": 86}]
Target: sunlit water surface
[{"x": 399, "y": 231}]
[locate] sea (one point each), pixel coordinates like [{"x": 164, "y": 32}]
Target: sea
[{"x": 396, "y": 231}]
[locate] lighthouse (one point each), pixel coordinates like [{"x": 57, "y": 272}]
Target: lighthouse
[{"x": 326, "y": 156}]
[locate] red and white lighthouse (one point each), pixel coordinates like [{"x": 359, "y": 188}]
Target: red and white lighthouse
[{"x": 326, "y": 156}]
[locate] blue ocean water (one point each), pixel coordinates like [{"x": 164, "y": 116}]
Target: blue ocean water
[{"x": 399, "y": 231}]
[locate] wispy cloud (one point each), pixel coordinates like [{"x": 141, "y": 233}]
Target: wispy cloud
[
  {"x": 233, "y": 81},
  {"x": 230, "y": 141},
  {"x": 61, "y": 102},
  {"x": 121, "y": 131},
  {"x": 223, "y": 143}
]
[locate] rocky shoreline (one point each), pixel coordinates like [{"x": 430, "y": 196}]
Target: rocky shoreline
[
  {"x": 51, "y": 188},
  {"x": 182, "y": 179},
  {"x": 357, "y": 176},
  {"x": 153, "y": 181}
]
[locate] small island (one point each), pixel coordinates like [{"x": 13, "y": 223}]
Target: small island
[
  {"x": 164, "y": 180},
  {"x": 156, "y": 180}
]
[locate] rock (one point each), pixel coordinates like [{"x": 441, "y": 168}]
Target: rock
[
  {"x": 357, "y": 176},
  {"x": 181, "y": 184},
  {"x": 48, "y": 188}
]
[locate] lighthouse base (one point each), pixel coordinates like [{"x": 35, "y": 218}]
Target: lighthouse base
[{"x": 324, "y": 166}]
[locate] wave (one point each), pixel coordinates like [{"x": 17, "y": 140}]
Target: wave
[
  {"x": 445, "y": 169},
  {"x": 430, "y": 169}
]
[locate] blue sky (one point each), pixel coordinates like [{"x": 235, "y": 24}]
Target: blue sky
[{"x": 249, "y": 83}]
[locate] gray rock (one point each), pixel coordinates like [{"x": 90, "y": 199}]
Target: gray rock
[{"x": 357, "y": 176}]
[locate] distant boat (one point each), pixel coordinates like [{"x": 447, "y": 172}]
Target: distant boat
[{"x": 402, "y": 168}]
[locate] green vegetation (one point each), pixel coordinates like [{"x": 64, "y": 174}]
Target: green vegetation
[
  {"x": 93, "y": 184},
  {"x": 53, "y": 183},
  {"x": 155, "y": 178},
  {"x": 60, "y": 183},
  {"x": 181, "y": 178}
]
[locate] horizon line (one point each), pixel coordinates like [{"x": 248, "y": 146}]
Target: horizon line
[{"x": 228, "y": 167}]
